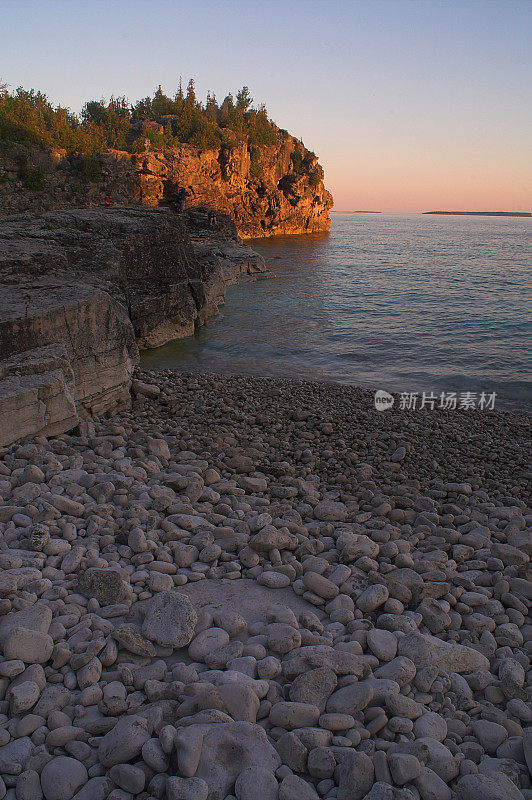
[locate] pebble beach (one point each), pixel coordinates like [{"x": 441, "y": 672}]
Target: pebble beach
[{"x": 259, "y": 589}]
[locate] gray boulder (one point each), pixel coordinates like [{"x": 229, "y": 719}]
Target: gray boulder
[
  {"x": 429, "y": 651},
  {"x": 124, "y": 741},
  {"x": 170, "y": 620},
  {"x": 105, "y": 585},
  {"x": 484, "y": 787},
  {"x": 227, "y": 750},
  {"x": 354, "y": 775},
  {"x": 62, "y": 777}
]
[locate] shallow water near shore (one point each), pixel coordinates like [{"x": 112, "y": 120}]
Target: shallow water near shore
[{"x": 403, "y": 303}]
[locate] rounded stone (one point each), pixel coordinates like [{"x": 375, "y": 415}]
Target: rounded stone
[
  {"x": 206, "y": 642},
  {"x": 32, "y": 647},
  {"x": 294, "y": 715},
  {"x": 282, "y": 637},
  {"x": 295, "y": 788},
  {"x": 62, "y": 777},
  {"x": 383, "y": 644},
  {"x": 350, "y": 699},
  {"x": 372, "y": 597},
  {"x": 330, "y": 511},
  {"x": 431, "y": 725},
  {"x": 129, "y": 778}
]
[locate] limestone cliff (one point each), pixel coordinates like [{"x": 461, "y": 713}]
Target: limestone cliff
[
  {"x": 81, "y": 290},
  {"x": 264, "y": 189}
]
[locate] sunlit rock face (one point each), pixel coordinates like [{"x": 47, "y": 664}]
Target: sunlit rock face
[{"x": 259, "y": 187}]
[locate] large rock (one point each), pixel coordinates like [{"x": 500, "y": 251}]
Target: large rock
[
  {"x": 32, "y": 647},
  {"x": 24, "y": 635},
  {"x": 15, "y": 755},
  {"x": 484, "y": 787},
  {"x": 105, "y": 585},
  {"x": 350, "y": 699},
  {"x": 170, "y": 620},
  {"x": 37, "y": 394},
  {"x": 68, "y": 348},
  {"x": 429, "y": 651},
  {"x": 34, "y": 618},
  {"x": 314, "y": 687},
  {"x": 62, "y": 777},
  {"x": 315, "y": 656},
  {"x": 228, "y": 749},
  {"x": 354, "y": 774}
]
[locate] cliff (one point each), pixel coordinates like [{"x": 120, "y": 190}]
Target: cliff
[
  {"x": 82, "y": 290},
  {"x": 265, "y": 189}
]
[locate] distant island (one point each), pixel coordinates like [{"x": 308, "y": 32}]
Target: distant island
[{"x": 483, "y": 213}]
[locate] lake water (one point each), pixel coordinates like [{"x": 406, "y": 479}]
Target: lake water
[{"x": 402, "y": 303}]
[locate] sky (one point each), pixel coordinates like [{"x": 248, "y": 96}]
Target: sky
[{"x": 411, "y": 105}]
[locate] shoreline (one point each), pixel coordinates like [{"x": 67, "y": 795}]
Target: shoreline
[
  {"x": 503, "y": 404},
  {"x": 271, "y": 567}
]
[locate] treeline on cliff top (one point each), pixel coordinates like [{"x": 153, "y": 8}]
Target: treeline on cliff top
[{"x": 29, "y": 118}]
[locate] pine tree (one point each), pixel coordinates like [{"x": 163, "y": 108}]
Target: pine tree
[
  {"x": 191, "y": 94},
  {"x": 211, "y": 108},
  {"x": 225, "y": 110},
  {"x": 243, "y": 99}
]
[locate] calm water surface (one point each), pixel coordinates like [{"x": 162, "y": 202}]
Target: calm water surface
[{"x": 403, "y": 303}]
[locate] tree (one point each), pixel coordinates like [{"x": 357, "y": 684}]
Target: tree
[
  {"x": 190, "y": 99},
  {"x": 226, "y": 109},
  {"x": 243, "y": 99},
  {"x": 94, "y": 111},
  {"x": 161, "y": 104},
  {"x": 211, "y": 108}
]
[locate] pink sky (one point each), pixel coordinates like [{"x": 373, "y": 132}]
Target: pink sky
[{"x": 457, "y": 182}]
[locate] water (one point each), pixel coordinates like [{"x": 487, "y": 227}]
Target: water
[{"x": 403, "y": 303}]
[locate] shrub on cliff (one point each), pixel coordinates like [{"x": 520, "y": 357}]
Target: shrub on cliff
[
  {"x": 297, "y": 162},
  {"x": 304, "y": 162},
  {"x": 255, "y": 168},
  {"x": 88, "y": 166},
  {"x": 315, "y": 177},
  {"x": 31, "y": 177}
]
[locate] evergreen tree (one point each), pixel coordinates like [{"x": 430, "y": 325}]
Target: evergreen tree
[
  {"x": 226, "y": 110},
  {"x": 211, "y": 108},
  {"x": 190, "y": 99},
  {"x": 243, "y": 99}
]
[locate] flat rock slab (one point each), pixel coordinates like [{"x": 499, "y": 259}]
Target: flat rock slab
[{"x": 244, "y": 596}]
